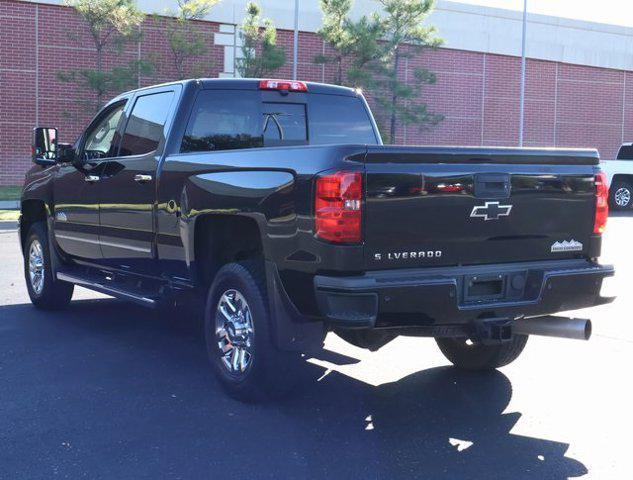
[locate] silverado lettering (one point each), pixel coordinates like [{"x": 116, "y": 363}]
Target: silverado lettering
[{"x": 407, "y": 255}]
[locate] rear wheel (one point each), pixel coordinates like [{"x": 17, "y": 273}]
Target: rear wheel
[
  {"x": 469, "y": 355},
  {"x": 621, "y": 195},
  {"x": 239, "y": 336},
  {"x": 46, "y": 291}
]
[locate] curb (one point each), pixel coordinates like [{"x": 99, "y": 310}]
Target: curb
[
  {"x": 9, "y": 205},
  {"x": 8, "y": 225}
]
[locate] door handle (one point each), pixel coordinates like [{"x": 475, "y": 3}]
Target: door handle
[
  {"x": 142, "y": 178},
  {"x": 92, "y": 178}
]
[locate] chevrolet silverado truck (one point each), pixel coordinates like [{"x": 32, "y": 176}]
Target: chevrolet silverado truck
[
  {"x": 277, "y": 204},
  {"x": 619, "y": 174}
]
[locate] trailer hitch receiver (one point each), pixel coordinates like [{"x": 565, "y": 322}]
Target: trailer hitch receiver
[{"x": 493, "y": 330}]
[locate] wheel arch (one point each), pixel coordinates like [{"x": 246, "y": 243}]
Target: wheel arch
[
  {"x": 228, "y": 215},
  {"x": 618, "y": 181},
  {"x": 220, "y": 239},
  {"x": 622, "y": 177},
  {"x": 32, "y": 211}
]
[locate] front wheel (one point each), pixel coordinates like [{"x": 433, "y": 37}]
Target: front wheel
[
  {"x": 621, "y": 195},
  {"x": 470, "y": 355},
  {"x": 46, "y": 291},
  {"x": 238, "y": 331}
]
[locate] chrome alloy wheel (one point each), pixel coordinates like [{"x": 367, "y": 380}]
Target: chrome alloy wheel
[
  {"x": 36, "y": 267},
  {"x": 622, "y": 197},
  {"x": 234, "y": 332}
]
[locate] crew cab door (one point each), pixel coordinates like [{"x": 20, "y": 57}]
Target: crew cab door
[
  {"x": 127, "y": 189},
  {"x": 76, "y": 191}
]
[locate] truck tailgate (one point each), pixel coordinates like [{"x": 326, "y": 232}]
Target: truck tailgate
[{"x": 466, "y": 206}]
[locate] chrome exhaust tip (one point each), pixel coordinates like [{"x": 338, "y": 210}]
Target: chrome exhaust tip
[{"x": 551, "y": 326}]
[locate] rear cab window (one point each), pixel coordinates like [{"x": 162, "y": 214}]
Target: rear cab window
[
  {"x": 284, "y": 124},
  {"x": 339, "y": 119},
  {"x": 237, "y": 119}
]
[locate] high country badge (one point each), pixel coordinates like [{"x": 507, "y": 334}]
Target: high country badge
[{"x": 567, "y": 246}]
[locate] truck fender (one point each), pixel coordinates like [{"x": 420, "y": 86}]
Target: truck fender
[{"x": 264, "y": 195}]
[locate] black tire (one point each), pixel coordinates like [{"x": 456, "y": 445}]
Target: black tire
[
  {"x": 624, "y": 193},
  {"x": 271, "y": 372},
  {"x": 53, "y": 294},
  {"x": 477, "y": 356}
]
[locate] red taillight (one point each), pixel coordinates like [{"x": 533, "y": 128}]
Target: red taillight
[
  {"x": 338, "y": 207},
  {"x": 287, "y": 85},
  {"x": 602, "y": 203}
]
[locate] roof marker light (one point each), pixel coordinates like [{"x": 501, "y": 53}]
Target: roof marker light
[{"x": 283, "y": 85}]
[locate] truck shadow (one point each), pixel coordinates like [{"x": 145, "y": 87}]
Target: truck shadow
[
  {"x": 438, "y": 423},
  {"x": 116, "y": 390}
]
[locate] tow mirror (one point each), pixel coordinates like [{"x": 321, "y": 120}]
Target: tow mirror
[{"x": 45, "y": 146}]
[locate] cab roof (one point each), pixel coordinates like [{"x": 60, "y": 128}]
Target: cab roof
[{"x": 250, "y": 84}]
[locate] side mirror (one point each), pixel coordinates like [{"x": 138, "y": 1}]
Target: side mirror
[{"x": 45, "y": 145}]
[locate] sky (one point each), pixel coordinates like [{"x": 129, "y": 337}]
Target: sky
[{"x": 615, "y": 12}]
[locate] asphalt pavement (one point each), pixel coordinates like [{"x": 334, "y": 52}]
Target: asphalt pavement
[{"x": 109, "y": 390}]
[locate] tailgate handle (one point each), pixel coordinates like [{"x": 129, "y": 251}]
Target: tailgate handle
[{"x": 492, "y": 185}]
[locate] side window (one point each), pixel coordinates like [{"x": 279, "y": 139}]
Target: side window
[
  {"x": 284, "y": 124},
  {"x": 144, "y": 129},
  {"x": 100, "y": 139},
  {"x": 625, "y": 152},
  {"x": 224, "y": 120}
]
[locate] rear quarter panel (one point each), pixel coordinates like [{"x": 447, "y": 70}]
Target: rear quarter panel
[{"x": 273, "y": 186}]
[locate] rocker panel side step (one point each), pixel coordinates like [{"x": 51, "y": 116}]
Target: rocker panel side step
[{"x": 100, "y": 283}]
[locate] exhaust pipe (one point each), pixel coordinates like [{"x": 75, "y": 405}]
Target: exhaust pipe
[{"x": 551, "y": 326}]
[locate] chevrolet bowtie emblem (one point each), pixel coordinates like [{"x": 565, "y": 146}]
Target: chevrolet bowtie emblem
[{"x": 491, "y": 211}]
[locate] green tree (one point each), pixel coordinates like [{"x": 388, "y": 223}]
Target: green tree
[
  {"x": 335, "y": 32},
  {"x": 369, "y": 54},
  {"x": 366, "y": 50},
  {"x": 185, "y": 39},
  {"x": 354, "y": 44},
  {"x": 404, "y": 35},
  {"x": 110, "y": 23},
  {"x": 260, "y": 53}
]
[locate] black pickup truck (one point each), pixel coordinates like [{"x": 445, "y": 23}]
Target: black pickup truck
[{"x": 276, "y": 202}]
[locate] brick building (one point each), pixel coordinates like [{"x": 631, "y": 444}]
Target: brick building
[{"x": 576, "y": 92}]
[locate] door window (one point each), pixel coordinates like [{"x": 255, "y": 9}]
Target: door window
[
  {"x": 101, "y": 139},
  {"x": 145, "y": 128}
]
